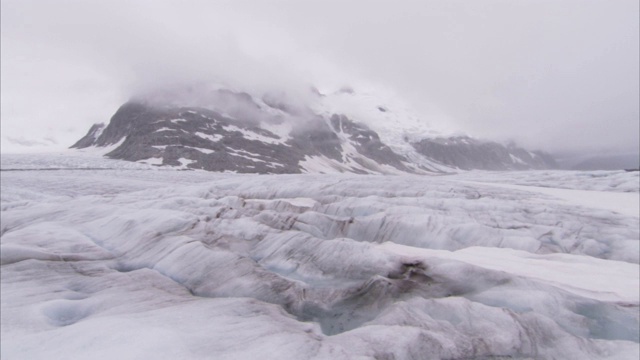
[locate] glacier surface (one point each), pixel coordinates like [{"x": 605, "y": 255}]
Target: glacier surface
[{"x": 105, "y": 259}]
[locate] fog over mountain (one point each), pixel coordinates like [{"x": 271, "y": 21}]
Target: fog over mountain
[
  {"x": 555, "y": 76},
  {"x": 216, "y": 128}
]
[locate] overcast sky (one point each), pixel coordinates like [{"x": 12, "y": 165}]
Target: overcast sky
[{"x": 556, "y": 75}]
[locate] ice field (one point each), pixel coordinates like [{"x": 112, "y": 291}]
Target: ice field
[{"x": 106, "y": 259}]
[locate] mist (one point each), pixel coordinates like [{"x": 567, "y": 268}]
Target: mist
[{"x": 556, "y": 76}]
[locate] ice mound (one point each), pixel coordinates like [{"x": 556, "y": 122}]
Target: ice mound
[{"x": 127, "y": 264}]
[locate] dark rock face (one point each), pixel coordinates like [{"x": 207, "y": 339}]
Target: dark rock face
[
  {"x": 222, "y": 130},
  {"x": 205, "y": 139},
  {"x": 316, "y": 138},
  {"x": 210, "y": 140},
  {"x": 467, "y": 154},
  {"x": 89, "y": 139}
]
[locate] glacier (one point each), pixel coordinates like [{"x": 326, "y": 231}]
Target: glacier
[{"x": 104, "y": 258}]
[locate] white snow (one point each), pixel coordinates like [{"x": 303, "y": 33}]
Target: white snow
[
  {"x": 603, "y": 280},
  {"x": 152, "y": 161},
  {"x": 214, "y": 138},
  {"x": 282, "y": 130},
  {"x": 618, "y": 181},
  {"x": 514, "y": 158},
  {"x": 246, "y": 157},
  {"x": 202, "y": 150},
  {"x": 241, "y": 151},
  {"x": 302, "y": 202},
  {"x": 250, "y": 135},
  {"x": 352, "y": 161},
  {"x": 397, "y": 126},
  {"x": 99, "y": 132},
  {"x": 624, "y": 203},
  {"x": 87, "y": 158},
  {"x": 164, "y": 128},
  {"x": 184, "y": 162},
  {"x": 96, "y": 150},
  {"x": 321, "y": 165}
]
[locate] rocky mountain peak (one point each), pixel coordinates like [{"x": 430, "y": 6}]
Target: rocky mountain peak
[{"x": 218, "y": 129}]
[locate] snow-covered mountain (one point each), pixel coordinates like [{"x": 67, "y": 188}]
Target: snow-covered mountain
[
  {"x": 467, "y": 153},
  {"x": 218, "y": 129}
]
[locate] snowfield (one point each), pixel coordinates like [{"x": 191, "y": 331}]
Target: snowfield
[
  {"x": 106, "y": 259},
  {"x": 618, "y": 181}
]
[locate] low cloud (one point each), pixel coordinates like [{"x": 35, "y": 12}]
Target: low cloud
[
  {"x": 21, "y": 141},
  {"x": 560, "y": 76}
]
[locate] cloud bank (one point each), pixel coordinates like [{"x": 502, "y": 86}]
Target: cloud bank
[{"x": 558, "y": 76}]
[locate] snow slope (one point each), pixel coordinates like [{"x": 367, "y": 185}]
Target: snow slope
[
  {"x": 134, "y": 263},
  {"x": 389, "y": 116},
  {"x": 618, "y": 181},
  {"x": 627, "y": 203},
  {"x": 603, "y": 280}
]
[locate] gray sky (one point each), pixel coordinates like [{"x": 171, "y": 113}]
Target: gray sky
[{"x": 561, "y": 76}]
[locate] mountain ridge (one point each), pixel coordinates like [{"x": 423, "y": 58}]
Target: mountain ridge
[{"x": 223, "y": 130}]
